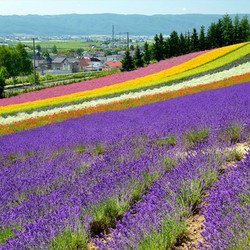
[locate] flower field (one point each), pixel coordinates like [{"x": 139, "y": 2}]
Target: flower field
[
  {"x": 229, "y": 226},
  {"x": 134, "y": 162}
]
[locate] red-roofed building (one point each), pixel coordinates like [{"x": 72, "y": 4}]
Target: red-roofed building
[{"x": 111, "y": 65}]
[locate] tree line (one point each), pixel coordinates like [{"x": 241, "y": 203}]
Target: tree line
[
  {"x": 224, "y": 32},
  {"x": 14, "y": 61}
]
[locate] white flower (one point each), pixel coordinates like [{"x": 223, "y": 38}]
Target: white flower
[{"x": 239, "y": 70}]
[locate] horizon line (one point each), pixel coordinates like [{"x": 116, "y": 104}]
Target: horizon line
[{"x": 63, "y": 14}]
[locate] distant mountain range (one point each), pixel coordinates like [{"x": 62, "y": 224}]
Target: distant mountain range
[{"x": 101, "y": 24}]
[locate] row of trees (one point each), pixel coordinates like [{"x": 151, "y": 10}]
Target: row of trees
[
  {"x": 44, "y": 52},
  {"x": 14, "y": 61},
  {"x": 221, "y": 33},
  {"x": 138, "y": 60}
]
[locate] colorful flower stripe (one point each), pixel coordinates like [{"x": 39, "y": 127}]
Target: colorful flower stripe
[
  {"x": 216, "y": 108},
  {"x": 213, "y": 64},
  {"x": 128, "y": 85},
  {"x": 98, "y": 82},
  {"x": 127, "y": 103},
  {"x": 239, "y": 70}
]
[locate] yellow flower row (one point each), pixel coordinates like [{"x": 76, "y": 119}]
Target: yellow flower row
[
  {"x": 230, "y": 57},
  {"x": 179, "y": 71}
]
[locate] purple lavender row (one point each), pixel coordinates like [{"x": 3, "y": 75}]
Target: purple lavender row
[
  {"x": 39, "y": 233},
  {"x": 28, "y": 188},
  {"x": 42, "y": 175},
  {"x": 101, "y": 189},
  {"x": 156, "y": 221},
  {"x": 227, "y": 222},
  {"x": 105, "y": 179},
  {"x": 214, "y": 109}
]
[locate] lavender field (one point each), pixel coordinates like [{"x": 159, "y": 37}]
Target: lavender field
[{"x": 129, "y": 179}]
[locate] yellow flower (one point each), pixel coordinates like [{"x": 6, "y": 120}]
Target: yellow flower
[{"x": 209, "y": 60}]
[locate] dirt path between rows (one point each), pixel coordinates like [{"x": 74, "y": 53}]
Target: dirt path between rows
[{"x": 194, "y": 223}]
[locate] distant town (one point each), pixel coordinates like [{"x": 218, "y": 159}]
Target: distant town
[{"x": 71, "y": 54}]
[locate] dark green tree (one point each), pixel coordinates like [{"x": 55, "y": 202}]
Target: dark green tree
[
  {"x": 45, "y": 53},
  {"x": 79, "y": 51},
  {"x": 54, "y": 49},
  {"x": 24, "y": 65},
  {"x": 219, "y": 34},
  {"x": 38, "y": 55},
  {"x": 202, "y": 39},
  {"x": 127, "y": 62},
  {"x": 5, "y": 57},
  {"x": 214, "y": 36},
  {"x": 236, "y": 29},
  {"x": 167, "y": 48},
  {"x": 146, "y": 54},
  {"x": 15, "y": 68},
  {"x": 158, "y": 48},
  {"x": 39, "y": 48},
  {"x": 195, "y": 41},
  {"x": 3, "y": 76},
  {"x": 188, "y": 42},
  {"x": 174, "y": 48},
  {"x": 39, "y": 51},
  {"x": 2, "y": 84},
  {"x": 182, "y": 44},
  {"x": 108, "y": 53},
  {"x": 161, "y": 46},
  {"x": 138, "y": 62},
  {"x": 15, "y": 60},
  {"x": 228, "y": 32},
  {"x": 244, "y": 30}
]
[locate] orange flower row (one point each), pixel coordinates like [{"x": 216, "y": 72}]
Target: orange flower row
[{"x": 133, "y": 102}]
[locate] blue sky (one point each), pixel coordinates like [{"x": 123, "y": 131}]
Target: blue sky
[{"x": 146, "y": 7}]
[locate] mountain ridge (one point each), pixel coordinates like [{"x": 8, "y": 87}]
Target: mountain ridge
[{"x": 101, "y": 24}]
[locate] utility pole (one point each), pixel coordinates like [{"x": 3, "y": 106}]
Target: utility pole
[
  {"x": 34, "y": 61},
  {"x": 128, "y": 40},
  {"x": 113, "y": 36}
]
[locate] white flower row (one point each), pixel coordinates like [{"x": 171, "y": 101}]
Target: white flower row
[{"x": 239, "y": 70}]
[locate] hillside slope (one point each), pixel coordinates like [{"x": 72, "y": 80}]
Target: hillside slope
[
  {"x": 130, "y": 177},
  {"x": 170, "y": 78}
]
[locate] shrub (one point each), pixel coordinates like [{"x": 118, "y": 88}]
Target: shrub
[
  {"x": 31, "y": 78},
  {"x": 3, "y": 76}
]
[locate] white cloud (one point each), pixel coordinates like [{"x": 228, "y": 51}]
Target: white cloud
[{"x": 184, "y": 9}]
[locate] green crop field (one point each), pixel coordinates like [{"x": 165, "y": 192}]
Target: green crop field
[{"x": 62, "y": 44}]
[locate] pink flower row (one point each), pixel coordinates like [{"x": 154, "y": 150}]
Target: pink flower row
[{"x": 98, "y": 82}]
